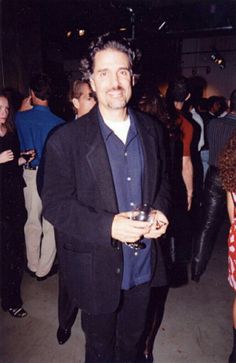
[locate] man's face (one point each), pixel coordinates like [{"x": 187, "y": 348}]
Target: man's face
[
  {"x": 86, "y": 100},
  {"x": 111, "y": 79},
  {"x": 216, "y": 107}
]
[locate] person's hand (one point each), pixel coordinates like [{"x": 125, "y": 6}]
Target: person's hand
[
  {"x": 127, "y": 230},
  {"x": 189, "y": 201},
  {"x": 6, "y": 156},
  {"x": 158, "y": 226},
  {"x": 32, "y": 154},
  {"x": 23, "y": 159}
]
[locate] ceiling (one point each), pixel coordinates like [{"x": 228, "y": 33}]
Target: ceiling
[
  {"x": 182, "y": 18},
  {"x": 150, "y": 17}
]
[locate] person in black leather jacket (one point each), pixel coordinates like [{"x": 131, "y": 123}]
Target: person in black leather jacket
[{"x": 214, "y": 200}]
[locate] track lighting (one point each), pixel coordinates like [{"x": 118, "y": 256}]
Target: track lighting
[{"x": 217, "y": 58}]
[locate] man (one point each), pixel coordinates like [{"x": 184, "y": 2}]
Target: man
[
  {"x": 33, "y": 127},
  {"x": 96, "y": 168},
  {"x": 214, "y": 204},
  {"x": 213, "y": 108},
  {"x": 82, "y": 98}
]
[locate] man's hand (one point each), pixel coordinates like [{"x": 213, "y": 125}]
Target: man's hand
[
  {"x": 125, "y": 229},
  {"x": 22, "y": 160},
  {"x": 158, "y": 226}
]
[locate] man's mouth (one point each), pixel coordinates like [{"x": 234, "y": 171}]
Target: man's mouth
[{"x": 115, "y": 93}]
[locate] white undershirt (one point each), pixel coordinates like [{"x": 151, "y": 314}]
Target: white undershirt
[{"x": 120, "y": 128}]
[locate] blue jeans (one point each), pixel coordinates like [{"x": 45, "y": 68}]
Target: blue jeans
[{"x": 205, "y": 162}]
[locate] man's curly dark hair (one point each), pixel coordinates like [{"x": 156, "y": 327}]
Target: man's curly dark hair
[
  {"x": 227, "y": 165},
  {"x": 107, "y": 41}
]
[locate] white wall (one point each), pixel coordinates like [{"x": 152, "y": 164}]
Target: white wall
[{"x": 219, "y": 82}]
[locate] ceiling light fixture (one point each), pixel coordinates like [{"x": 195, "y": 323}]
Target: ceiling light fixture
[
  {"x": 217, "y": 58},
  {"x": 81, "y": 32}
]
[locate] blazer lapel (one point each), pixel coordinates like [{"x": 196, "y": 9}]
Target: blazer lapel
[
  {"x": 99, "y": 163},
  {"x": 149, "y": 144}
]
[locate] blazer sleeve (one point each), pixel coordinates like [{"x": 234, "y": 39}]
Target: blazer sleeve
[
  {"x": 61, "y": 207},
  {"x": 163, "y": 197}
]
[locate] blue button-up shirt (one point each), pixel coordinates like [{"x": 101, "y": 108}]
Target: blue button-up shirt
[
  {"x": 126, "y": 162},
  {"x": 33, "y": 127}
]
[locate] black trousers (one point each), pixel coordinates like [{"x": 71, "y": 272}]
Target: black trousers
[
  {"x": 155, "y": 316},
  {"x": 67, "y": 310},
  {"x": 115, "y": 337},
  {"x": 212, "y": 215},
  {"x": 12, "y": 248}
]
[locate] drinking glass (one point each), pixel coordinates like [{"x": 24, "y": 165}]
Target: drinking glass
[
  {"x": 142, "y": 213},
  {"x": 27, "y": 154}
]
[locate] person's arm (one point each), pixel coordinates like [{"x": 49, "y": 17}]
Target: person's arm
[
  {"x": 230, "y": 207},
  {"x": 187, "y": 166},
  {"x": 187, "y": 173},
  {"x": 163, "y": 201}
]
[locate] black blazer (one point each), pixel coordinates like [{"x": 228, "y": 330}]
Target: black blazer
[{"x": 79, "y": 199}]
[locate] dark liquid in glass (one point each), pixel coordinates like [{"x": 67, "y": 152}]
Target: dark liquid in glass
[{"x": 26, "y": 156}]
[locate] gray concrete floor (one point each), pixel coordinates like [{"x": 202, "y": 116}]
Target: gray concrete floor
[{"x": 196, "y": 328}]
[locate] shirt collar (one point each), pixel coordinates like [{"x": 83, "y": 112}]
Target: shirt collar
[
  {"x": 107, "y": 132},
  {"x": 41, "y": 108}
]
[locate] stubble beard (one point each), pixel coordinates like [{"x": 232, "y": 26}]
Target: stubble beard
[{"x": 119, "y": 103}]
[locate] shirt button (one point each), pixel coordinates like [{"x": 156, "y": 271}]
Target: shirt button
[
  {"x": 118, "y": 270},
  {"x": 136, "y": 253},
  {"x": 131, "y": 204},
  {"x": 126, "y": 153},
  {"x": 128, "y": 178}
]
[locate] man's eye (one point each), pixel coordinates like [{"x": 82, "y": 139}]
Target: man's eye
[
  {"x": 103, "y": 74},
  {"x": 124, "y": 72}
]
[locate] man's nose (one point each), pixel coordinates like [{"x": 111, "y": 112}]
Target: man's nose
[{"x": 114, "y": 80}]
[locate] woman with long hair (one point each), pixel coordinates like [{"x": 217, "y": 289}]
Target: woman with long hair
[
  {"x": 12, "y": 213},
  {"x": 227, "y": 167}
]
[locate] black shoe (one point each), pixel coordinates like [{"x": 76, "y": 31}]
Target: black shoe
[
  {"x": 29, "y": 272},
  {"x": 17, "y": 312},
  {"x": 52, "y": 272},
  {"x": 145, "y": 358},
  {"x": 232, "y": 357},
  {"x": 63, "y": 335}
]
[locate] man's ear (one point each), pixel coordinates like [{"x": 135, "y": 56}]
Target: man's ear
[
  {"x": 133, "y": 80},
  {"x": 76, "y": 103},
  {"x": 92, "y": 84},
  {"x": 188, "y": 96}
]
